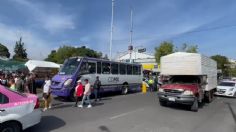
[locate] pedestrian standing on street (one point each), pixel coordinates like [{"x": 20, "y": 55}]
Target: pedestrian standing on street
[
  {"x": 4, "y": 81},
  {"x": 78, "y": 92},
  {"x": 155, "y": 83},
  {"x": 47, "y": 94},
  {"x": 19, "y": 84},
  {"x": 32, "y": 87},
  {"x": 27, "y": 84},
  {"x": 150, "y": 83},
  {"x": 12, "y": 84},
  {"x": 87, "y": 93},
  {"x": 96, "y": 86}
]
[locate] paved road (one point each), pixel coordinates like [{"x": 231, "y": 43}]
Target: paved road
[{"x": 138, "y": 113}]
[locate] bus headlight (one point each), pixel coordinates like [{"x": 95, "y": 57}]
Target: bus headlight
[
  {"x": 68, "y": 82},
  {"x": 187, "y": 92},
  {"x": 161, "y": 90}
]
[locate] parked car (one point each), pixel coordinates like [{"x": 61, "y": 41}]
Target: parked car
[
  {"x": 18, "y": 111},
  {"x": 226, "y": 88}
]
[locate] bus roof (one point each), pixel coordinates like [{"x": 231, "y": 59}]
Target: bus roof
[{"x": 103, "y": 60}]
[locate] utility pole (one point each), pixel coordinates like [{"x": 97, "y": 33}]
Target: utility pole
[
  {"x": 131, "y": 27},
  {"x": 130, "y": 47},
  {"x": 111, "y": 37}
]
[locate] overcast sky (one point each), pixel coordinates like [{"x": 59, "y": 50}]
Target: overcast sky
[{"x": 48, "y": 24}]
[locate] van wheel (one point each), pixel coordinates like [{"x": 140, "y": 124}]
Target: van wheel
[
  {"x": 11, "y": 127},
  {"x": 209, "y": 96},
  {"x": 194, "y": 106},
  {"x": 124, "y": 89}
]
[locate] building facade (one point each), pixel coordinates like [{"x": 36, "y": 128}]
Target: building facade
[{"x": 148, "y": 61}]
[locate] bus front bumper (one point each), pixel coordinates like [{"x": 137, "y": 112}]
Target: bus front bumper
[{"x": 63, "y": 92}]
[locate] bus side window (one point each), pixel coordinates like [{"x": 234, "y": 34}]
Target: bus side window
[
  {"x": 114, "y": 68},
  {"x": 84, "y": 68},
  {"x": 139, "y": 70},
  {"x": 122, "y": 69},
  {"x": 135, "y": 70},
  {"x": 129, "y": 70},
  {"x": 99, "y": 68},
  {"x": 106, "y": 68},
  {"x": 91, "y": 67}
]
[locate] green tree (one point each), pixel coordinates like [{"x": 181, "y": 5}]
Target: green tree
[
  {"x": 163, "y": 49},
  {"x": 51, "y": 56},
  {"x": 189, "y": 48},
  {"x": 4, "y": 52},
  {"x": 222, "y": 63},
  {"x": 20, "y": 51},
  {"x": 232, "y": 72},
  {"x": 65, "y": 52}
]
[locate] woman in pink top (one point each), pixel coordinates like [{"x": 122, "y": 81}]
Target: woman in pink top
[{"x": 87, "y": 93}]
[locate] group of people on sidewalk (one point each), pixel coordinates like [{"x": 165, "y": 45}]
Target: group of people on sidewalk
[
  {"x": 152, "y": 83},
  {"x": 24, "y": 83}
]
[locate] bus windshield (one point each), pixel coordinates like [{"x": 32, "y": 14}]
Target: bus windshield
[{"x": 70, "y": 66}]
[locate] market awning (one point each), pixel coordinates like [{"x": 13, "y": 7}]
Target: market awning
[
  {"x": 40, "y": 65},
  {"x": 11, "y": 65}
]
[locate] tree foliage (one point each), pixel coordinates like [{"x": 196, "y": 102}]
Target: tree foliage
[
  {"x": 222, "y": 62},
  {"x": 4, "y": 52},
  {"x": 232, "y": 72},
  {"x": 189, "y": 48},
  {"x": 20, "y": 51},
  {"x": 163, "y": 49},
  {"x": 166, "y": 48},
  {"x": 65, "y": 52}
]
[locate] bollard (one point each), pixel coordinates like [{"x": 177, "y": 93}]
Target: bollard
[{"x": 144, "y": 87}]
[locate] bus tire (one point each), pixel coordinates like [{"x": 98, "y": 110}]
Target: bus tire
[
  {"x": 72, "y": 96},
  {"x": 124, "y": 89}
]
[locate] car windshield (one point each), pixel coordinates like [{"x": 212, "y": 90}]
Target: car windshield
[
  {"x": 70, "y": 66},
  {"x": 229, "y": 84}
]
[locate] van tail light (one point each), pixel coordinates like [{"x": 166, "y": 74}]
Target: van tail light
[{"x": 37, "y": 104}]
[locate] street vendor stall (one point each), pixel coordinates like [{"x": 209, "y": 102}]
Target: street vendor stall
[{"x": 42, "y": 68}]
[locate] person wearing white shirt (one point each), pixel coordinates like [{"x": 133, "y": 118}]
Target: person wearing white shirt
[{"x": 47, "y": 94}]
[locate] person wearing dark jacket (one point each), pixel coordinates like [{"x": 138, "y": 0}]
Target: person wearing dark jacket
[{"x": 97, "y": 86}]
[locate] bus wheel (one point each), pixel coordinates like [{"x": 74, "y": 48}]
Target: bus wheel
[
  {"x": 124, "y": 89},
  {"x": 72, "y": 96}
]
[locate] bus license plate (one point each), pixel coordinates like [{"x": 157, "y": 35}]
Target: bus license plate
[{"x": 171, "y": 99}]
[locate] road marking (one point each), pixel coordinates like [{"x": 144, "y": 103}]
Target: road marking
[{"x": 124, "y": 114}]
